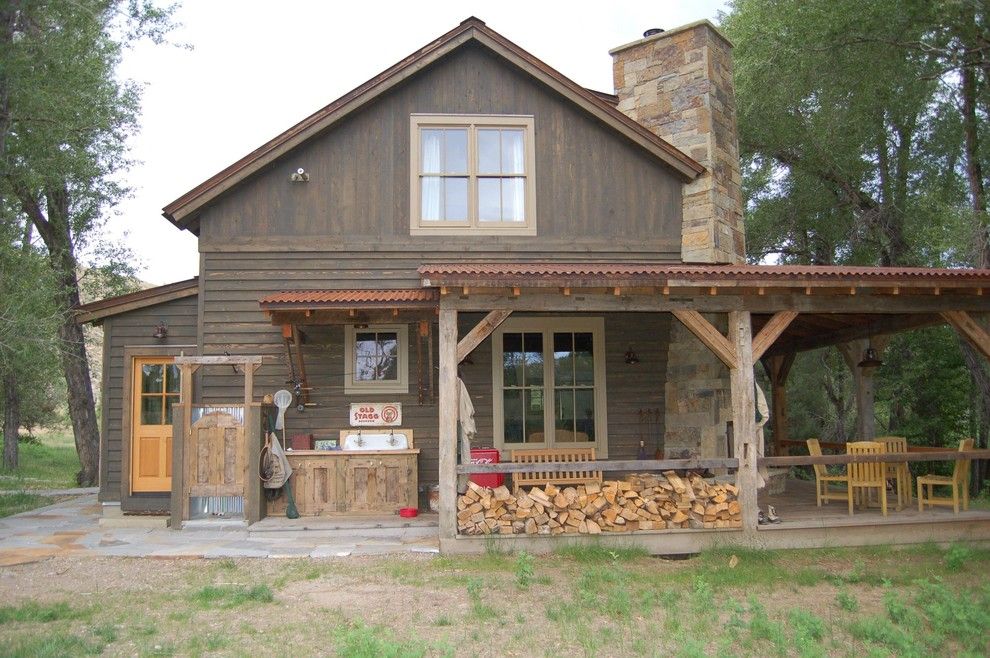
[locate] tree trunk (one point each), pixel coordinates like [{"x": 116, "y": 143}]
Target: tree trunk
[
  {"x": 974, "y": 169},
  {"x": 56, "y": 232},
  {"x": 11, "y": 420},
  {"x": 981, "y": 381}
]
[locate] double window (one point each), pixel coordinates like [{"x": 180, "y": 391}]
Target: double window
[
  {"x": 376, "y": 358},
  {"x": 472, "y": 174},
  {"x": 549, "y": 383}
]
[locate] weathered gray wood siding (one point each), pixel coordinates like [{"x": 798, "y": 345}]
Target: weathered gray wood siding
[
  {"x": 599, "y": 198},
  {"x": 133, "y": 329}
]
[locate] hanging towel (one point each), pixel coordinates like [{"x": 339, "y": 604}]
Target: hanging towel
[{"x": 466, "y": 430}]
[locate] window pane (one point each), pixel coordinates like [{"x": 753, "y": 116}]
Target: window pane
[
  {"x": 564, "y": 415},
  {"x": 389, "y": 342},
  {"x": 584, "y": 359},
  {"x": 172, "y": 378},
  {"x": 563, "y": 359},
  {"x": 489, "y": 159},
  {"x": 512, "y": 152},
  {"x": 512, "y": 412},
  {"x": 534, "y": 415},
  {"x": 365, "y": 369},
  {"x": 431, "y": 152},
  {"x": 170, "y": 401},
  {"x": 152, "y": 375},
  {"x": 388, "y": 368},
  {"x": 430, "y": 198},
  {"x": 513, "y": 199},
  {"x": 365, "y": 344},
  {"x": 455, "y": 199},
  {"x": 455, "y": 151},
  {"x": 533, "y": 344},
  {"x": 151, "y": 410},
  {"x": 512, "y": 360},
  {"x": 584, "y": 406},
  {"x": 490, "y": 199}
]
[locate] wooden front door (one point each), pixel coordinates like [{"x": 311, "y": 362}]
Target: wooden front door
[{"x": 154, "y": 390}]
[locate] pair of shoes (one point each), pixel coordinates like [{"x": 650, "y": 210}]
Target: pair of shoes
[
  {"x": 772, "y": 515},
  {"x": 761, "y": 518}
]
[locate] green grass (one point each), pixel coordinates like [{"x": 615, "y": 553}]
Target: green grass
[
  {"x": 231, "y": 596},
  {"x": 40, "y": 613},
  {"x": 15, "y": 503},
  {"x": 49, "y": 463},
  {"x": 359, "y": 641},
  {"x": 49, "y": 645}
]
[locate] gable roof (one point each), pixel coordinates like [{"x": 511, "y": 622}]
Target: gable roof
[
  {"x": 96, "y": 311},
  {"x": 182, "y": 211}
]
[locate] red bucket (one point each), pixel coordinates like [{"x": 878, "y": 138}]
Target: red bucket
[{"x": 408, "y": 512}]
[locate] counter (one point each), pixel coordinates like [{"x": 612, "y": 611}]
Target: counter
[{"x": 351, "y": 481}]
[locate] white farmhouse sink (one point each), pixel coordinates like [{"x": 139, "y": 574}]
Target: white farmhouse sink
[{"x": 376, "y": 440}]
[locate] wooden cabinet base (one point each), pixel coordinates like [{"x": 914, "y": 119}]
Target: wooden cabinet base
[{"x": 327, "y": 483}]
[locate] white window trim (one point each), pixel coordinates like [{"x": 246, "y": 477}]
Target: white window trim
[
  {"x": 472, "y": 226},
  {"x": 352, "y": 387},
  {"x": 548, "y": 325}
]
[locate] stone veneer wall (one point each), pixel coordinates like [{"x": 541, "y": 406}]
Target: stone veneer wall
[
  {"x": 697, "y": 401},
  {"x": 679, "y": 85}
]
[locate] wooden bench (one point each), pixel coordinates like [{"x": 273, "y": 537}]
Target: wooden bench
[{"x": 553, "y": 455}]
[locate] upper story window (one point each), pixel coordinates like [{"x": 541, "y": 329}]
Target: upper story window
[{"x": 472, "y": 174}]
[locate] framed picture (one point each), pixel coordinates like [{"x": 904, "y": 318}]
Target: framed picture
[{"x": 326, "y": 444}]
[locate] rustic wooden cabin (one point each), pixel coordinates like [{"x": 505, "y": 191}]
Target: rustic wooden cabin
[{"x": 575, "y": 257}]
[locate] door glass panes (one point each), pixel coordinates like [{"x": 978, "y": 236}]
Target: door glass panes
[
  {"x": 376, "y": 356},
  {"x": 522, "y": 382},
  {"x": 159, "y": 392},
  {"x": 574, "y": 381}
]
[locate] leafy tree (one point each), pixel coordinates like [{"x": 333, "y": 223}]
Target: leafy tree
[
  {"x": 64, "y": 121},
  {"x": 864, "y": 136}
]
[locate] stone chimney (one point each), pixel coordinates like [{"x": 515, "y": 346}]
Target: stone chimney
[{"x": 678, "y": 84}]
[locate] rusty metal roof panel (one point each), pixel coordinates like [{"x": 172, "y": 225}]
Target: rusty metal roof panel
[
  {"x": 354, "y": 298},
  {"x": 452, "y": 272}
]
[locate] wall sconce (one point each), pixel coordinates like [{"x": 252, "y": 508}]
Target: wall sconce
[
  {"x": 161, "y": 331},
  {"x": 631, "y": 357},
  {"x": 870, "y": 359},
  {"x": 300, "y": 176}
]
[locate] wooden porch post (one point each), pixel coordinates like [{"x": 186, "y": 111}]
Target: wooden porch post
[
  {"x": 742, "y": 382},
  {"x": 447, "y": 387}
]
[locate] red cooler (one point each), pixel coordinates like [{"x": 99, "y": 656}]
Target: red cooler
[{"x": 486, "y": 456}]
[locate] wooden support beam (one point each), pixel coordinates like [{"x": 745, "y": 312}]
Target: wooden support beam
[
  {"x": 969, "y": 329},
  {"x": 515, "y": 292},
  {"x": 741, "y": 385},
  {"x": 927, "y": 456},
  {"x": 600, "y": 465},
  {"x": 448, "y": 424},
  {"x": 566, "y": 292},
  {"x": 480, "y": 332},
  {"x": 778, "y": 367},
  {"x": 771, "y": 332},
  {"x": 223, "y": 360},
  {"x": 708, "y": 335}
]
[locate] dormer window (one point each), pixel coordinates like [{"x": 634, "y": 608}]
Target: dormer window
[{"x": 472, "y": 174}]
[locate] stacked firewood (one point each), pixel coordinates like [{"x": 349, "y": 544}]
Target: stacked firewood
[{"x": 640, "y": 502}]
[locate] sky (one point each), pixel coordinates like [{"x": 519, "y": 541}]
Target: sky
[{"x": 252, "y": 69}]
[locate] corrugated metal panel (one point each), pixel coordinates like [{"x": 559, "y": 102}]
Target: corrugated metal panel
[{"x": 351, "y": 298}]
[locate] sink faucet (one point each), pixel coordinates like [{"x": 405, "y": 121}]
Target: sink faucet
[
  {"x": 360, "y": 441},
  {"x": 391, "y": 438}
]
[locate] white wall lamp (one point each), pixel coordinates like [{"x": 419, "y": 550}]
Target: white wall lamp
[{"x": 299, "y": 176}]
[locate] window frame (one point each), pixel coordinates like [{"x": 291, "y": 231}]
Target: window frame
[
  {"x": 548, "y": 326},
  {"x": 472, "y": 226},
  {"x": 355, "y": 387}
]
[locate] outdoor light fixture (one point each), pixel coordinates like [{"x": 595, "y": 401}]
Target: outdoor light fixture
[
  {"x": 161, "y": 331},
  {"x": 870, "y": 358},
  {"x": 631, "y": 357}
]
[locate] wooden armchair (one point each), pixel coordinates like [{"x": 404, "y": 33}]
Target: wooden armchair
[
  {"x": 823, "y": 479},
  {"x": 959, "y": 482},
  {"x": 867, "y": 476}
]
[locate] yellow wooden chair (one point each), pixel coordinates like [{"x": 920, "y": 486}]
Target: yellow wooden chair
[
  {"x": 867, "y": 476},
  {"x": 823, "y": 479},
  {"x": 898, "y": 471},
  {"x": 959, "y": 482}
]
